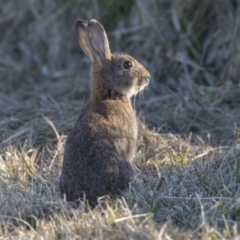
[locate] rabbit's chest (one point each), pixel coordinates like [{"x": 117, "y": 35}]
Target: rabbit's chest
[
  {"x": 118, "y": 114},
  {"x": 116, "y": 124}
]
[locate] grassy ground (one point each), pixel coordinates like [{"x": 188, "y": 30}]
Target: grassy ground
[{"x": 188, "y": 152}]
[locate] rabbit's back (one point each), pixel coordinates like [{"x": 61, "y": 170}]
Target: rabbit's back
[{"x": 99, "y": 150}]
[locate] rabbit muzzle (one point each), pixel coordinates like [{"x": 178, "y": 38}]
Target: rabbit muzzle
[{"x": 143, "y": 81}]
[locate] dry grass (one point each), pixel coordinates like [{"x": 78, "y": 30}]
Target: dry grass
[{"x": 190, "y": 159}]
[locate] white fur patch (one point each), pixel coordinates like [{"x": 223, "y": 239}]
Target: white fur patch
[
  {"x": 142, "y": 87},
  {"x": 131, "y": 92}
]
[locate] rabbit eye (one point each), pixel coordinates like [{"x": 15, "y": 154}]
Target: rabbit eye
[{"x": 127, "y": 65}]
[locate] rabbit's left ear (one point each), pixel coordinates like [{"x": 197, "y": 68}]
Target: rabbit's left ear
[
  {"x": 99, "y": 41},
  {"x": 83, "y": 37}
]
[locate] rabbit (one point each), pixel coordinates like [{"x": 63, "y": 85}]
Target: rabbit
[{"x": 101, "y": 146}]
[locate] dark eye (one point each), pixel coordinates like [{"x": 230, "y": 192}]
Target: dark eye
[{"x": 127, "y": 65}]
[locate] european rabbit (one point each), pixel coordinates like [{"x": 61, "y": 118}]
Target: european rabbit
[{"x": 102, "y": 144}]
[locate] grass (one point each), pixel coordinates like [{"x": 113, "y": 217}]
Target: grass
[{"x": 188, "y": 147}]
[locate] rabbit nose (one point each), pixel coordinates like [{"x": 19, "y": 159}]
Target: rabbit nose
[{"x": 148, "y": 77}]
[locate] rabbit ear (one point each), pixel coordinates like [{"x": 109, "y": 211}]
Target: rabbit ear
[
  {"x": 83, "y": 37},
  {"x": 99, "y": 41}
]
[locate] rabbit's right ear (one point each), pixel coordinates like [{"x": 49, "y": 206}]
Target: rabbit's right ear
[
  {"x": 83, "y": 37},
  {"x": 99, "y": 41}
]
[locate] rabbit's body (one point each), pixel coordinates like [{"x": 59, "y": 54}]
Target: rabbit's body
[
  {"x": 102, "y": 144},
  {"x": 100, "y": 155}
]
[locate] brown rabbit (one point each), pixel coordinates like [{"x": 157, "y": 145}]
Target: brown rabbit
[{"x": 102, "y": 144}]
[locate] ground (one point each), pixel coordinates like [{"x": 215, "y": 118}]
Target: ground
[{"x": 188, "y": 145}]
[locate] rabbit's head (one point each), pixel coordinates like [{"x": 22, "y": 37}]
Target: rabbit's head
[{"x": 113, "y": 74}]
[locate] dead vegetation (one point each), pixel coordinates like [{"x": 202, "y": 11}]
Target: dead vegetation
[{"x": 188, "y": 149}]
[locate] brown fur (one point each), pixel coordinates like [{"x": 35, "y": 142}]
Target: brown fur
[{"x": 102, "y": 144}]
